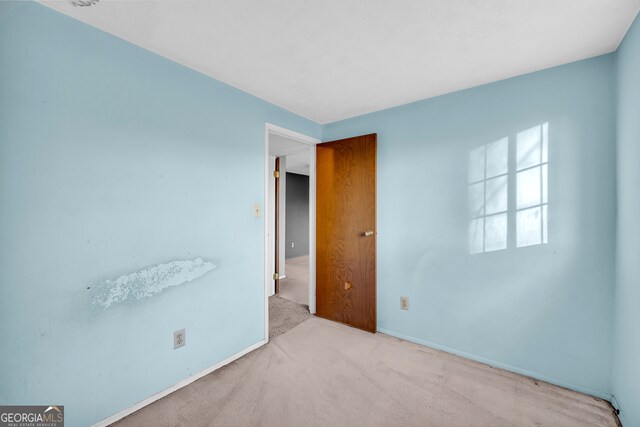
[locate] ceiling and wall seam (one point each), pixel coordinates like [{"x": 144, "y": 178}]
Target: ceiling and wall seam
[{"x": 339, "y": 60}]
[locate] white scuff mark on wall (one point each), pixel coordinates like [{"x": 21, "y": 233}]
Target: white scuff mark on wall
[{"x": 148, "y": 282}]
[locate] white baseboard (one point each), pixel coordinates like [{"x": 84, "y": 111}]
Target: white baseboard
[
  {"x": 113, "y": 418},
  {"x": 580, "y": 389},
  {"x": 616, "y": 405}
]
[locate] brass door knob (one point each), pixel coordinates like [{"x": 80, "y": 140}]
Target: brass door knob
[{"x": 368, "y": 233}]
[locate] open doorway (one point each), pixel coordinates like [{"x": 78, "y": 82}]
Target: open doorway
[
  {"x": 289, "y": 229},
  {"x": 294, "y": 286}
]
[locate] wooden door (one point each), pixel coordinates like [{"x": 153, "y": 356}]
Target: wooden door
[{"x": 345, "y": 231}]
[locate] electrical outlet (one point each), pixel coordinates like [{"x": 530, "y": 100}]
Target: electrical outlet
[
  {"x": 404, "y": 303},
  {"x": 293, "y": 245},
  {"x": 179, "y": 338}
]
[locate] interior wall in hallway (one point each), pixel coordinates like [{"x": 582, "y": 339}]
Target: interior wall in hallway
[
  {"x": 125, "y": 215},
  {"x": 496, "y": 218},
  {"x": 626, "y": 366},
  {"x": 297, "y": 233}
]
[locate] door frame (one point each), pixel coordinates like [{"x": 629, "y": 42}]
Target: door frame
[
  {"x": 270, "y": 128},
  {"x": 276, "y": 233}
]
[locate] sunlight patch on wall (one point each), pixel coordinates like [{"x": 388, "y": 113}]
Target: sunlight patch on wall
[
  {"x": 148, "y": 282},
  {"x": 488, "y": 196},
  {"x": 497, "y": 211},
  {"x": 532, "y": 186}
]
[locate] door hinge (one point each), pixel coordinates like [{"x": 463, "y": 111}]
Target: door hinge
[
  {"x": 276, "y": 276},
  {"x": 276, "y": 174}
]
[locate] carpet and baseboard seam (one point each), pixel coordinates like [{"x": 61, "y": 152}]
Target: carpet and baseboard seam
[
  {"x": 602, "y": 395},
  {"x": 149, "y": 400},
  {"x": 616, "y": 405},
  {"x": 506, "y": 367},
  {"x": 322, "y": 373},
  {"x": 284, "y": 316}
]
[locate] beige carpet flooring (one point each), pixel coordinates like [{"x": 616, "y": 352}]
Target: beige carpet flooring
[
  {"x": 295, "y": 286},
  {"x": 322, "y": 373},
  {"x": 284, "y": 315}
]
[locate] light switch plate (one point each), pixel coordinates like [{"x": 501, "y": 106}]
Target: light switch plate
[{"x": 257, "y": 210}]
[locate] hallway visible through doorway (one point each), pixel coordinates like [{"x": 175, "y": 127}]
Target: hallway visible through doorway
[{"x": 295, "y": 286}]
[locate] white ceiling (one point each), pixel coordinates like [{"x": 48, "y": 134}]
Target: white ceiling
[
  {"x": 333, "y": 59},
  {"x": 298, "y": 154},
  {"x": 299, "y": 163},
  {"x": 282, "y": 146}
]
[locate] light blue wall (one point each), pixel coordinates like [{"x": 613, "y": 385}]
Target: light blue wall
[
  {"x": 113, "y": 159},
  {"x": 543, "y": 310},
  {"x": 626, "y": 364}
]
